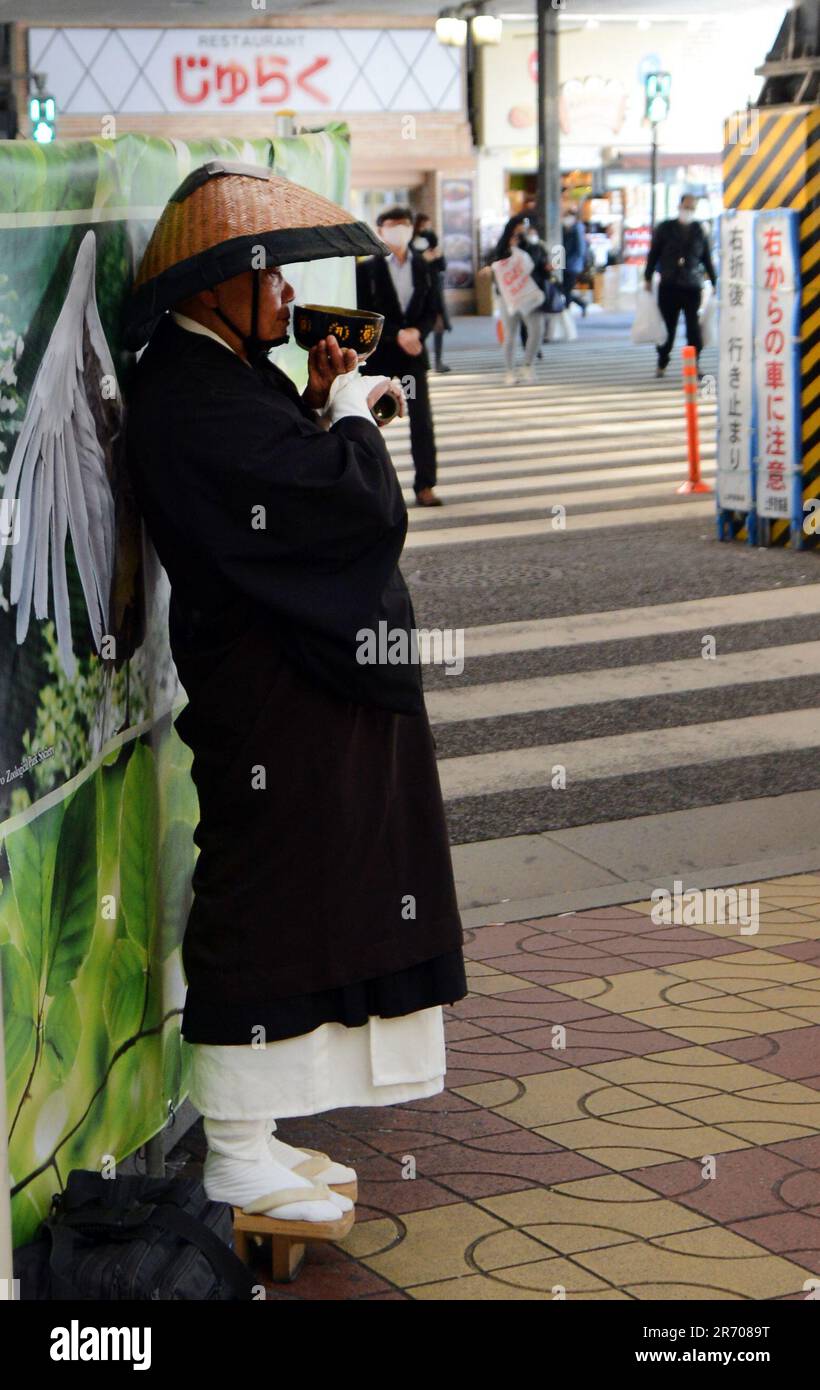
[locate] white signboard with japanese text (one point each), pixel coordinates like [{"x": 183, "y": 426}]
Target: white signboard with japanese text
[
  {"x": 112, "y": 71},
  {"x": 736, "y": 429},
  {"x": 777, "y": 365}
]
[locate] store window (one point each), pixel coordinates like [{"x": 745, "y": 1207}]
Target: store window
[{"x": 367, "y": 203}]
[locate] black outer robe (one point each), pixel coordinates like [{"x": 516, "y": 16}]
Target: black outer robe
[{"x": 302, "y": 910}]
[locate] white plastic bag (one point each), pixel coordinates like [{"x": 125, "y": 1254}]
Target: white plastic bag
[
  {"x": 570, "y": 326},
  {"x": 515, "y": 283},
  {"x": 561, "y": 327},
  {"x": 648, "y": 326},
  {"x": 708, "y": 318}
]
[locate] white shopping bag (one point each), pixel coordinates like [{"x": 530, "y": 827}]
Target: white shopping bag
[
  {"x": 708, "y": 317},
  {"x": 570, "y": 326},
  {"x": 515, "y": 283},
  {"x": 561, "y": 328},
  {"x": 648, "y": 325}
]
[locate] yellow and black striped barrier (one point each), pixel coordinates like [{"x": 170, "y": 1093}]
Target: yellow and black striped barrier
[{"x": 771, "y": 159}]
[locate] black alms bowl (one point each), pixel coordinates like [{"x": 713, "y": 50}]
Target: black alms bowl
[{"x": 353, "y": 328}]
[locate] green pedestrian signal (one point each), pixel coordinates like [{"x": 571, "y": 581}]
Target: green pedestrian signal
[
  {"x": 42, "y": 112},
  {"x": 657, "y": 86}
]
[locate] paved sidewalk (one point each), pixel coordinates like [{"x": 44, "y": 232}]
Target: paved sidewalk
[{"x": 665, "y": 1146}]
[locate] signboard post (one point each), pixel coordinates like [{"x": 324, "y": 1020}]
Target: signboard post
[
  {"x": 777, "y": 368},
  {"x": 736, "y": 426},
  {"x": 759, "y": 438}
]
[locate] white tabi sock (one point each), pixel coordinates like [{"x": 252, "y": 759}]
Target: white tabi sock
[
  {"x": 290, "y": 1156},
  {"x": 239, "y": 1169}
]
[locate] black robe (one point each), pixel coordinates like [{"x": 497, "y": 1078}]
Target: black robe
[{"x": 323, "y": 890}]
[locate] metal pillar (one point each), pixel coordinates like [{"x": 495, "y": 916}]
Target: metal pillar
[
  {"x": 549, "y": 159},
  {"x": 653, "y": 174}
]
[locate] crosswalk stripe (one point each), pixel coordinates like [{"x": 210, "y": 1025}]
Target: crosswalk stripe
[
  {"x": 622, "y": 755},
  {"x": 568, "y": 494},
  {"x": 508, "y": 530},
  {"x": 507, "y": 463},
  {"x": 533, "y": 481},
  {"x": 606, "y": 684},
  {"x": 651, "y": 620}
]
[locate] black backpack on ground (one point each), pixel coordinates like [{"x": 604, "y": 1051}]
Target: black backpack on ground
[{"x": 137, "y": 1237}]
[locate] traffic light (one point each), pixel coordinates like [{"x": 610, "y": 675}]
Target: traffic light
[
  {"x": 42, "y": 111},
  {"x": 657, "y": 86}
]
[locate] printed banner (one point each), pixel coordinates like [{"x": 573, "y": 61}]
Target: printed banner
[
  {"x": 736, "y": 427},
  {"x": 777, "y": 365},
  {"x": 97, "y": 805}
]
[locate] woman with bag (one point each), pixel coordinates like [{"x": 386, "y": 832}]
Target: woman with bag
[{"x": 519, "y": 299}]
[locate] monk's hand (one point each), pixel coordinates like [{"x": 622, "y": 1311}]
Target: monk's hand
[
  {"x": 391, "y": 387},
  {"x": 326, "y": 361}
]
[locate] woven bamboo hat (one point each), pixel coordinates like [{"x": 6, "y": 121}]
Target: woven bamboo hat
[{"x": 212, "y": 225}]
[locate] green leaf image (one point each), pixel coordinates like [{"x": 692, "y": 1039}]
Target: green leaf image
[
  {"x": 138, "y": 846},
  {"x": 176, "y": 863},
  {"x": 32, "y": 851},
  {"x": 61, "y": 1035},
  {"x": 19, "y": 1008},
  {"x": 124, "y": 994},
  {"x": 172, "y": 1064},
  {"x": 74, "y": 899}
]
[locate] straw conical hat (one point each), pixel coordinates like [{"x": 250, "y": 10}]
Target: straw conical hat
[{"x": 215, "y": 221}]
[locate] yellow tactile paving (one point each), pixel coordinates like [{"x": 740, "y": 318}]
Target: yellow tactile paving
[
  {"x": 549, "y": 1281},
  {"x": 591, "y": 1213},
  {"x": 641, "y": 1138},
  {"x": 551, "y": 1097},
  {"x": 685, "y": 1069},
  {"x": 764, "y": 1115},
  {"x": 483, "y": 979},
  {"x": 434, "y": 1243},
  {"x": 707, "y": 1262},
  {"x": 669, "y": 1152},
  {"x": 710, "y": 1008}
]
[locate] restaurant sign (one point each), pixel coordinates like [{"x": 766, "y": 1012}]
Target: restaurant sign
[{"x": 136, "y": 71}]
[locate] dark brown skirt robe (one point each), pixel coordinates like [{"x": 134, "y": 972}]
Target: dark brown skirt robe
[{"x": 323, "y": 890}]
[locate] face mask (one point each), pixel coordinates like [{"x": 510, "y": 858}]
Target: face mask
[
  {"x": 531, "y": 237},
  {"x": 685, "y": 215},
  {"x": 569, "y": 221},
  {"x": 398, "y": 237}
]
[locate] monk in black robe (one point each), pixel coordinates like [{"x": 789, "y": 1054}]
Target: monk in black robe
[{"x": 323, "y": 889}]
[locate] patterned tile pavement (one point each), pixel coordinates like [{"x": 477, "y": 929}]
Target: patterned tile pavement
[{"x": 632, "y": 1112}]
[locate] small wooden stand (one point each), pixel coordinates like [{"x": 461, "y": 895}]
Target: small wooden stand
[{"x": 288, "y": 1239}]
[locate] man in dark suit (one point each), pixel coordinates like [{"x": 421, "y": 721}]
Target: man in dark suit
[
  {"x": 401, "y": 286},
  {"x": 680, "y": 251}
]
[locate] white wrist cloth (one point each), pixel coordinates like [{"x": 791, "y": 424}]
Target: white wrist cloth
[{"x": 348, "y": 396}]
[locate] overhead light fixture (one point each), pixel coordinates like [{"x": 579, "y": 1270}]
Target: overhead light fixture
[
  {"x": 593, "y": 24},
  {"x": 451, "y": 30},
  {"x": 487, "y": 28},
  {"x": 643, "y": 24}
]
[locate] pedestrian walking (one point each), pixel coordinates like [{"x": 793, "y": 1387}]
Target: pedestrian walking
[
  {"x": 402, "y": 287},
  {"x": 280, "y": 521},
  {"x": 426, "y": 242},
  {"x": 680, "y": 251},
  {"x": 519, "y": 298},
  {"x": 575, "y": 257}
]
